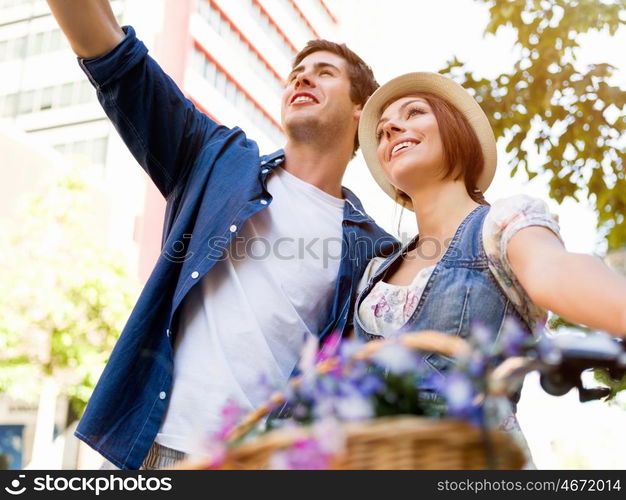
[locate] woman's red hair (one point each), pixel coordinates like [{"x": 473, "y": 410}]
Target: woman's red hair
[{"x": 461, "y": 149}]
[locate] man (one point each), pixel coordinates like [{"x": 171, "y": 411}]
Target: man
[{"x": 212, "y": 319}]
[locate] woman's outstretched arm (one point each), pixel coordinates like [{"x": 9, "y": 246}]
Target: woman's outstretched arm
[{"x": 578, "y": 287}]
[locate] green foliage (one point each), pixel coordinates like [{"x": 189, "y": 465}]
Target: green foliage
[
  {"x": 555, "y": 322},
  {"x": 614, "y": 385},
  {"x": 570, "y": 115},
  {"x": 64, "y": 297}
]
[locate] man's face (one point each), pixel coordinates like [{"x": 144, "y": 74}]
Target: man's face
[{"x": 316, "y": 100}]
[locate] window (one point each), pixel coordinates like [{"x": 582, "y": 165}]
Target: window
[
  {"x": 33, "y": 45},
  {"x": 37, "y": 43},
  {"x": 4, "y": 49},
  {"x": 210, "y": 71},
  {"x": 232, "y": 93},
  {"x": 9, "y": 109},
  {"x": 247, "y": 53},
  {"x": 197, "y": 62},
  {"x": 86, "y": 92},
  {"x": 265, "y": 23},
  {"x": 99, "y": 150},
  {"x": 297, "y": 19},
  {"x": 56, "y": 41},
  {"x": 67, "y": 91},
  {"x": 19, "y": 48},
  {"x": 93, "y": 150},
  {"x": 43, "y": 99},
  {"x": 220, "y": 82},
  {"x": 26, "y": 101},
  {"x": 47, "y": 97}
]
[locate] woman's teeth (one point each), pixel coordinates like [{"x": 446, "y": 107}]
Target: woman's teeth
[
  {"x": 303, "y": 98},
  {"x": 402, "y": 145}
]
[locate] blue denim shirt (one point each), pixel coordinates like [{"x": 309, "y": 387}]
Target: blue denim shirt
[
  {"x": 461, "y": 291},
  {"x": 213, "y": 179}
]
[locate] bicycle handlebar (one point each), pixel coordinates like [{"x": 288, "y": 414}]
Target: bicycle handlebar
[{"x": 562, "y": 363}]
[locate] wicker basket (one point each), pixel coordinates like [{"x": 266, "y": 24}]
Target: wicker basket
[
  {"x": 402, "y": 442},
  {"x": 399, "y": 442}
]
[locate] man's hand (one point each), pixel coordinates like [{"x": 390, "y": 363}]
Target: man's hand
[{"x": 89, "y": 25}]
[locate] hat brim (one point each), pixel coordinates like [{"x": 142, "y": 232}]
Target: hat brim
[{"x": 441, "y": 86}]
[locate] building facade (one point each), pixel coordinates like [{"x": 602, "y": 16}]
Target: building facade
[{"x": 228, "y": 56}]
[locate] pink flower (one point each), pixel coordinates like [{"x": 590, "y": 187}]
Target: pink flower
[
  {"x": 330, "y": 346},
  {"x": 381, "y": 307},
  {"x": 304, "y": 454},
  {"x": 231, "y": 415}
]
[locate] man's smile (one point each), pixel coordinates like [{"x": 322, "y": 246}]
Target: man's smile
[{"x": 300, "y": 98}]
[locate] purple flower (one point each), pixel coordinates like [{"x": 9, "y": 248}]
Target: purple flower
[
  {"x": 300, "y": 411},
  {"x": 358, "y": 370},
  {"x": 349, "y": 348},
  {"x": 266, "y": 389},
  {"x": 353, "y": 407},
  {"x": 514, "y": 338},
  {"x": 548, "y": 351},
  {"x": 396, "y": 358},
  {"x": 370, "y": 384},
  {"x": 477, "y": 365},
  {"x": 330, "y": 436},
  {"x": 483, "y": 337},
  {"x": 458, "y": 391}
]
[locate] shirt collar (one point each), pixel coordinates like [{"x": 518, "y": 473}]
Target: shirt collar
[
  {"x": 273, "y": 159},
  {"x": 353, "y": 209}
]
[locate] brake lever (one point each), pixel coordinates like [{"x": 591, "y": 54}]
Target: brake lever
[{"x": 569, "y": 356}]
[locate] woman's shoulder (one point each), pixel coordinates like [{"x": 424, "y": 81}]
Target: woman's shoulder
[
  {"x": 518, "y": 205},
  {"x": 514, "y": 212}
]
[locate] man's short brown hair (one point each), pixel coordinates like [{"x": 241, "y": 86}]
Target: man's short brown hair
[{"x": 362, "y": 81}]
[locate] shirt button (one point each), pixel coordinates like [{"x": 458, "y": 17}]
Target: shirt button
[
  {"x": 263, "y": 202},
  {"x": 265, "y": 170},
  {"x": 195, "y": 274},
  {"x": 263, "y": 162},
  {"x": 162, "y": 395},
  {"x": 279, "y": 161},
  {"x": 233, "y": 228},
  {"x": 168, "y": 332}
]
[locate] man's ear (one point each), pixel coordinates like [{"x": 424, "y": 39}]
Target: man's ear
[{"x": 357, "y": 112}]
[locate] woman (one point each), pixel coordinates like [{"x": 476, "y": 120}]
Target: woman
[{"x": 430, "y": 147}]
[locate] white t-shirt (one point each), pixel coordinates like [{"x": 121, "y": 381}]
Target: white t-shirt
[{"x": 250, "y": 314}]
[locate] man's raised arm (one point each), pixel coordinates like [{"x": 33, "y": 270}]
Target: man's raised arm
[
  {"x": 89, "y": 25},
  {"x": 160, "y": 126}
]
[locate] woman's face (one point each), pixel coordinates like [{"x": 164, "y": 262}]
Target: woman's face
[{"x": 409, "y": 144}]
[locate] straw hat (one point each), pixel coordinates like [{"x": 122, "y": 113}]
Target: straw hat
[{"x": 441, "y": 86}]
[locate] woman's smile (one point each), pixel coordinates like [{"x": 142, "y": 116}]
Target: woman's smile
[{"x": 401, "y": 146}]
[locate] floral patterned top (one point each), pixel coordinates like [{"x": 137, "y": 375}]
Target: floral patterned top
[{"x": 387, "y": 308}]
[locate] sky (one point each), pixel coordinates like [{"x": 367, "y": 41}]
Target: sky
[{"x": 400, "y": 36}]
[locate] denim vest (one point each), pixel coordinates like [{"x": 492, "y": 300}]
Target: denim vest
[{"x": 460, "y": 292}]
